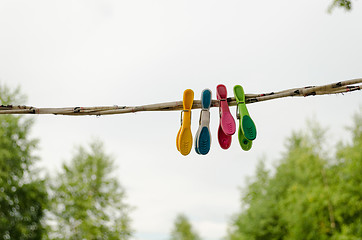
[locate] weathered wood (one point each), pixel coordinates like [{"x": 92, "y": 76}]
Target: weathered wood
[{"x": 334, "y": 88}]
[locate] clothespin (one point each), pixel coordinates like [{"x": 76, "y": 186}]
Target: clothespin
[
  {"x": 227, "y": 123},
  {"x": 184, "y": 135},
  {"x": 247, "y": 129},
  {"x": 203, "y": 135}
]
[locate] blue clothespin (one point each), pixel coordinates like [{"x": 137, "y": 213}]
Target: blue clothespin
[{"x": 203, "y": 135}]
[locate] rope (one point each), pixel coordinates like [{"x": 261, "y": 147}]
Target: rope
[{"x": 334, "y": 88}]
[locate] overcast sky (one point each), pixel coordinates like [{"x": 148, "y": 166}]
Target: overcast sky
[{"x": 94, "y": 53}]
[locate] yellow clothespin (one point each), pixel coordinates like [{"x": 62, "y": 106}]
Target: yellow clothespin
[{"x": 184, "y": 135}]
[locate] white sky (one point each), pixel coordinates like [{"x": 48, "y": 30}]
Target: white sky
[{"x": 91, "y": 53}]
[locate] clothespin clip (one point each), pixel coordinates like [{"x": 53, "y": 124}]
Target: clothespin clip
[
  {"x": 203, "y": 135},
  {"x": 227, "y": 123},
  {"x": 184, "y": 135},
  {"x": 247, "y": 129}
]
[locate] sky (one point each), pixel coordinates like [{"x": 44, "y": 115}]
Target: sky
[{"x": 104, "y": 53}]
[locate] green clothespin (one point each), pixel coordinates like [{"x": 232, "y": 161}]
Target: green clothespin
[{"x": 247, "y": 129}]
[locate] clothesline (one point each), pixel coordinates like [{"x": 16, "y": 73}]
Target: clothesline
[{"x": 334, "y": 88}]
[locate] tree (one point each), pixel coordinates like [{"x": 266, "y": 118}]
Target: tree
[
  {"x": 258, "y": 213},
  {"x": 183, "y": 229},
  {"x": 310, "y": 196},
  {"x": 22, "y": 194},
  {"x": 88, "y": 202},
  {"x": 347, "y": 185}
]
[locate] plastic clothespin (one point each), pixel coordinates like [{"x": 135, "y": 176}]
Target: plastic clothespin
[
  {"x": 184, "y": 135},
  {"x": 203, "y": 135},
  {"x": 247, "y": 129},
  {"x": 227, "y": 125}
]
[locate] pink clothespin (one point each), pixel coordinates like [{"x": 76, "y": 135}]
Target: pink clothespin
[{"x": 227, "y": 125}]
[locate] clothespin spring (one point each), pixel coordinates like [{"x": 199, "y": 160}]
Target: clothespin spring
[{"x": 182, "y": 112}]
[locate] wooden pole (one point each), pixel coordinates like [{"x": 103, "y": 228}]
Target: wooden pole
[{"x": 334, "y": 88}]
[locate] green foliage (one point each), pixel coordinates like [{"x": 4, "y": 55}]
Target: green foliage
[
  {"x": 87, "y": 200},
  {"x": 183, "y": 230},
  {"x": 346, "y": 4},
  {"x": 22, "y": 194},
  {"x": 347, "y": 184},
  {"x": 309, "y": 196}
]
